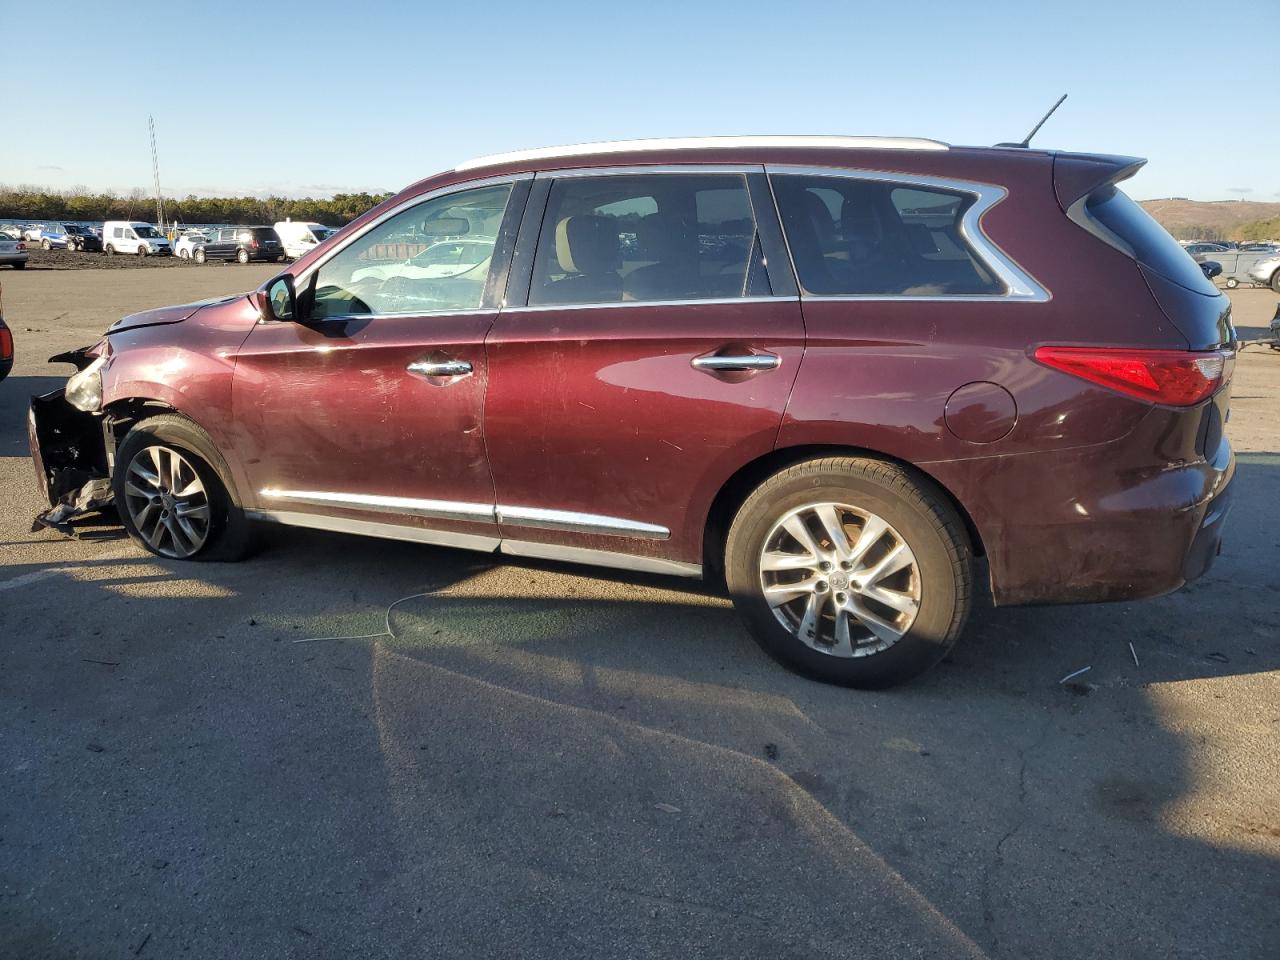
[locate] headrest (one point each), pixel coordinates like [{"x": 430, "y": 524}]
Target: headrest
[
  {"x": 820, "y": 215},
  {"x": 587, "y": 244}
]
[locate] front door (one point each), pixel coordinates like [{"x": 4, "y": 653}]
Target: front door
[
  {"x": 653, "y": 357},
  {"x": 367, "y": 416}
]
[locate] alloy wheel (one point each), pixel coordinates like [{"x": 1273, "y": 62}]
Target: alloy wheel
[
  {"x": 167, "y": 501},
  {"x": 840, "y": 579}
]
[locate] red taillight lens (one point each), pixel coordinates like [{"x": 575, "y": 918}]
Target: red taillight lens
[
  {"x": 253, "y": 245},
  {"x": 1176, "y": 378},
  {"x": 6, "y": 344},
  {"x": 22, "y": 247}
]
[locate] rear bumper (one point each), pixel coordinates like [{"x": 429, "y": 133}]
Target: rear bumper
[{"x": 8, "y": 258}]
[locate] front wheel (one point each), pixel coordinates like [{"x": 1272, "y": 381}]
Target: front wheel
[
  {"x": 172, "y": 499},
  {"x": 141, "y": 251},
  {"x": 1232, "y": 283},
  {"x": 200, "y": 255},
  {"x": 850, "y": 570},
  {"x": 242, "y": 256},
  {"x": 46, "y": 245}
]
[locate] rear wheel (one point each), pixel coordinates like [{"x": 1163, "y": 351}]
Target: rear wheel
[
  {"x": 110, "y": 251},
  {"x": 242, "y": 256},
  {"x": 850, "y": 570},
  {"x": 172, "y": 499}
]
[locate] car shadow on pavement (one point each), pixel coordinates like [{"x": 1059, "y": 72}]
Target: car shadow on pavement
[{"x": 541, "y": 747}]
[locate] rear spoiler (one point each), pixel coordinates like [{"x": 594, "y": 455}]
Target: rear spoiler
[{"x": 1076, "y": 175}]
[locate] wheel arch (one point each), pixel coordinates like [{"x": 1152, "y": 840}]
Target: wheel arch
[
  {"x": 126, "y": 413},
  {"x": 734, "y": 492}
]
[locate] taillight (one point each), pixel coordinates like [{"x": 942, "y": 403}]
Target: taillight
[
  {"x": 6, "y": 344},
  {"x": 22, "y": 247},
  {"x": 253, "y": 244},
  {"x": 1176, "y": 378}
]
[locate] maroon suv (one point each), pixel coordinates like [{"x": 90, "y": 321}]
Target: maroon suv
[{"x": 833, "y": 371}]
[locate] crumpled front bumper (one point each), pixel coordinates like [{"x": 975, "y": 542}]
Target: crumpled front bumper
[{"x": 72, "y": 458}]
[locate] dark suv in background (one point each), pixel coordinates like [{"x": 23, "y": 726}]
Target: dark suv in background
[
  {"x": 832, "y": 372},
  {"x": 241, "y": 244}
]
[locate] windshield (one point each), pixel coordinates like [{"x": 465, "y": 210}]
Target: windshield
[
  {"x": 73, "y": 228},
  {"x": 1151, "y": 244},
  {"x": 149, "y": 232}
]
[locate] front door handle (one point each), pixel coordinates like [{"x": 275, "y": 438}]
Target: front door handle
[
  {"x": 737, "y": 364},
  {"x": 440, "y": 368}
]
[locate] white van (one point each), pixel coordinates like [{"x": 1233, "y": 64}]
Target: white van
[
  {"x": 300, "y": 238},
  {"x": 127, "y": 236}
]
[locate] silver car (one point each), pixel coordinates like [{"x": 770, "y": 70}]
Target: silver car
[
  {"x": 13, "y": 253},
  {"x": 1267, "y": 271}
]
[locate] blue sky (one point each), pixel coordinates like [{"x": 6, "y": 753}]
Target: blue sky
[{"x": 317, "y": 98}]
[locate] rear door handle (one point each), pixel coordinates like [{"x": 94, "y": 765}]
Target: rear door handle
[
  {"x": 440, "y": 368},
  {"x": 737, "y": 364}
]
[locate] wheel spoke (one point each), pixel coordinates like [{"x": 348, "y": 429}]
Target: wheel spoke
[
  {"x": 893, "y": 599},
  {"x": 898, "y": 558},
  {"x": 795, "y": 526},
  {"x": 879, "y": 626},
  {"x": 191, "y": 489},
  {"x": 190, "y": 511},
  {"x": 776, "y": 561},
  {"x": 138, "y": 470},
  {"x": 780, "y": 593},
  {"x": 133, "y": 490},
  {"x": 844, "y": 644},
  {"x": 872, "y": 531},
  {"x": 809, "y": 622},
  {"x": 829, "y": 517}
]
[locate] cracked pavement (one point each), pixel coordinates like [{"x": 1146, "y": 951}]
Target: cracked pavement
[{"x": 549, "y": 761}]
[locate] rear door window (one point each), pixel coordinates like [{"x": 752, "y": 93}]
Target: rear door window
[
  {"x": 855, "y": 237},
  {"x": 648, "y": 238},
  {"x": 1145, "y": 240}
]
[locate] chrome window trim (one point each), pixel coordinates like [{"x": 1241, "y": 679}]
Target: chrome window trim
[
  {"x": 300, "y": 280},
  {"x": 705, "y": 143},
  {"x": 610, "y": 304},
  {"x": 646, "y": 169},
  {"x": 467, "y": 311},
  {"x": 1020, "y": 286},
  {"x": 574, "y": 522}
]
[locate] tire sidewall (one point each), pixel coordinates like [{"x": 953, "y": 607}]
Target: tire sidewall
[
  {"x": 934, "y": 630},
  {"x": 200, "y": 255}
]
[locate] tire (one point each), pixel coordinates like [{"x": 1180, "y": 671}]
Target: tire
[
  {"x": 173, "y": 441},
  {"x": 933, "y": 590},
  {"x": 20, "y": 265},
  {"x": 109, "y": 250},
  {"x": 1232, "y": 283},
  {"x": 141, "y": 252},
  {"x": 200, "y": 255},
  {"x": 242, "y": 256},
  {"x": 46, "y": 245},
  {"x": 1275, "y": 281}
]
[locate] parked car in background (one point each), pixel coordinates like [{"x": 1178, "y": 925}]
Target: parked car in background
[
  {"x": 32, "y": 232},
  {"x": 1236, "y": 263},
  {"x": 1266, "y": 270},
  {"x": 186, "y": 244},
  {"x": 448, "y": 258},
  {"x": 78, "y": 238},
  {"x": 10, "y": 231},
  {"x": 241, "y": 244},
  {"x": 131, "y": 236},
  {"x": 831, "y": 370},
  {"x": 13, "y": 253},
  {"x": 1204, "y": 249},
  {"x": 298, "y": 238}
]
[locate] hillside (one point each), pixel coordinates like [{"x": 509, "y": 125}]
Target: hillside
[{"x": 1208, "y": 220}]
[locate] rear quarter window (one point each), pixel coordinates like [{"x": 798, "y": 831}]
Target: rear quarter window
[{"x": 1141, "y": 238}]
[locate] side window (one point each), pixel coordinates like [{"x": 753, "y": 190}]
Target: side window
[
  {"x": 647, "y": 237},
  {"x": 411, "y": 263},
  {"x": 850, "y": 236}
]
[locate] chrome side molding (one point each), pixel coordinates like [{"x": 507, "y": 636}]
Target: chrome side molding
[
  {"x": 599, "y": 558},
  {"x": 569, "y": 521}
]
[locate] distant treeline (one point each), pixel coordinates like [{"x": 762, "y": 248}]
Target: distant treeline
[
  {"x": 38, "y": 204},
  {"x": 1251, "y": 230}
]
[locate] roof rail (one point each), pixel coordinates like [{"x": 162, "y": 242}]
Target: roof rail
[{"x": 706, "y": 143}]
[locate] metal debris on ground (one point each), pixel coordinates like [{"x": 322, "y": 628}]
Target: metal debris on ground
[
  {"x": 1076, "y": 674},
  {"x": 1135, "y": 654}
]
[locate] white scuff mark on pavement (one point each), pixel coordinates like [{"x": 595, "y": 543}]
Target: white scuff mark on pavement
[
  {"x": 1135, "y": 654},
  {"x": 1076, "y": 674}
]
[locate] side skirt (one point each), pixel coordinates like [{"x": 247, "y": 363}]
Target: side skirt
[{"x": 467, "y": 541}]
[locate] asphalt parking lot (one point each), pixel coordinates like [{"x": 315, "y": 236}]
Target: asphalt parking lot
[{"x": 549, "y": 761}]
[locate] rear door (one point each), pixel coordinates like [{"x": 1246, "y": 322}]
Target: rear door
[
  {"x": 645, "y": 354},
  {"x": 367, "y": 416}
]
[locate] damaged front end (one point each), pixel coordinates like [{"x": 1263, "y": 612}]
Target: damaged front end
[{"x": 73, "y": 449}]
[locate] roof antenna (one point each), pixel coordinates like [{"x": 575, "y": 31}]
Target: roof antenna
[{"x": 1026, "y": 142}]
